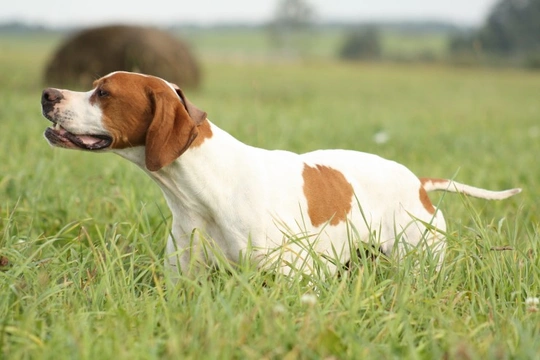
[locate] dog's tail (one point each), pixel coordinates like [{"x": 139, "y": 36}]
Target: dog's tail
[{"x": 431, "y": 184}]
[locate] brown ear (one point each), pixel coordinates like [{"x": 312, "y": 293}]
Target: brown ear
[
  {"x": 172, "y": 130},
  {"x": 196, "y": 114}
]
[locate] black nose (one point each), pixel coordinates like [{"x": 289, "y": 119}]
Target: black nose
[{"x": 50, "y": 97}]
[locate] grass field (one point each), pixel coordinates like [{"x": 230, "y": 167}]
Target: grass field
[{"x": 82, "y": 235}]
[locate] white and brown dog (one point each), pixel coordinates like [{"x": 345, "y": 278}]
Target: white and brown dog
[{"x": 242, "y": 197}]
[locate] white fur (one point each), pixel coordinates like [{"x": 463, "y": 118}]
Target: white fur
[
  {"x": 241, "y": 196},
  {"x": 76, "y": 114}
]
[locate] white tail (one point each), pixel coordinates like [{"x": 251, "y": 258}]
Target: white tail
[{"x": 430, "y": 184}]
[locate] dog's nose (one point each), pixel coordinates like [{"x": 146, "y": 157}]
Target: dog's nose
[{"x": 51, "y": 96}]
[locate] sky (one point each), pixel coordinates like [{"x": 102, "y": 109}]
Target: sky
[{"x": 58, "y": 13}]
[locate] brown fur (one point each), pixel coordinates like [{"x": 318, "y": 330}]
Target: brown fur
[
  {"x": 205, "y": 132},
  {"x": 329, "y": 195},
  {"x": 426, "y": 202},
  {"x": 424, "y": 198},
  {"x": 424, "y": 180},
  {"x": 154, "y": 117}
]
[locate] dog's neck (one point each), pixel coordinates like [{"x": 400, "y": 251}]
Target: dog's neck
[{"x": 202, "y": 177}]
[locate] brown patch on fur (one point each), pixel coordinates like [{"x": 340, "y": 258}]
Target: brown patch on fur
[
  {"x": 127, "y": 108},
  {"x": 329, "y": 195},
  {"x": 205, "y": 132},
  {"x": 144, "y": 110},
  {"x": 170, "y": 133},
  {"x": 426, "y": 202},
  {"x": 424, "y": 180}
]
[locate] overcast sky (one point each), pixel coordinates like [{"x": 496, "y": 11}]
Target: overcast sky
[{"x": 92, "y": 12}]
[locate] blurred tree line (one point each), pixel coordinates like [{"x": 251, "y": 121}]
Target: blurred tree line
[
  {"x": 513, "y": 26},
  {"x": 292, "y": 27},
  {"x": 511, "y": 31},
  {"x": 510, "y": 34},
  {"x": 362, "y": 43}
]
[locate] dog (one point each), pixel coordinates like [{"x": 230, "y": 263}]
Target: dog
[{"x": 243, "y": 198}]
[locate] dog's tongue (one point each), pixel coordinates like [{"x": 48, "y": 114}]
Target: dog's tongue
[{"x": 88, "y": 140}]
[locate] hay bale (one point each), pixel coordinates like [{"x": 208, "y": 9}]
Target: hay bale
[{"x": 95, "y": 52}]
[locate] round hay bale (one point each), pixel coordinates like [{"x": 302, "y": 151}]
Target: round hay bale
[{"x": 95, "y": 52}]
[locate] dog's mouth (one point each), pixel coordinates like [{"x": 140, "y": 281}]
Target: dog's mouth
[{"x": 58, "y": 136}]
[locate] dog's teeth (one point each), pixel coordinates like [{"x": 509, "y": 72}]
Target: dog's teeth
[{"x": 57, "y": 126}]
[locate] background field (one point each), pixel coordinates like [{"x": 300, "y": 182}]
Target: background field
[{"x": 82, "y": 235}]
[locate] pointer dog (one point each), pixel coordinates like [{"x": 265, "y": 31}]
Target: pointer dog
[{"x": 243, "y": 198}]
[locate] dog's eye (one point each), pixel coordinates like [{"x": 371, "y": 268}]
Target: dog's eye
[{"x": 102, "y": 93}]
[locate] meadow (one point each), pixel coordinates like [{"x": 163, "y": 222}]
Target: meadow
[{"x": 82, "y": 235}]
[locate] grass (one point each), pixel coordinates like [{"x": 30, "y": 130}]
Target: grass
[{"x": 82, "y": 235}]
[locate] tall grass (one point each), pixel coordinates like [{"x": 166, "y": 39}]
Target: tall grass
[{"x": 82, "y": 235}]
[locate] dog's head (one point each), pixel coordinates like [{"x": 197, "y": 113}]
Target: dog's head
[{"x": 124, "y": 110}]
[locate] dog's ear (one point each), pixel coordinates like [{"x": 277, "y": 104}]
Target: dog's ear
[
  {"x": 172, "y": 129},
  {"x": 195, "y": 113}
]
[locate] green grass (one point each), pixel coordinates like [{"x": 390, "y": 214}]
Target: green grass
[{"x": 83, "y": 235}]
